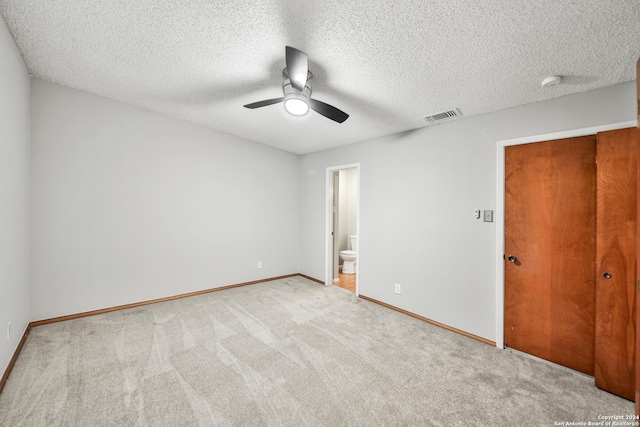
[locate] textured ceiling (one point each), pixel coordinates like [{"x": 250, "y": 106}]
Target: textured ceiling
[{"x": 386, "y": 63}]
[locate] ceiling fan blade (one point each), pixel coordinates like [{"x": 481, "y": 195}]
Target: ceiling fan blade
[
  {"x": 264, "y": 103},
  {"x": 297, "y": 67},
  {"x": 329, "y": 111}
]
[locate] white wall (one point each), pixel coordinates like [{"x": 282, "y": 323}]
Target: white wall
[
  {"x": 130, "y": 205},
  {"x": 352, "y": 204},
  {"x": 14, "y": 195},
  {"x": 343, "y": 212},
  {"x": 348, "y": 207},
  {"x": 418, "y": 191}
]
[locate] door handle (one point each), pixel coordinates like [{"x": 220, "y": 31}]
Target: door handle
[
  {"x": 606, "y": 275},
  {"x": 512, "y": 258}
]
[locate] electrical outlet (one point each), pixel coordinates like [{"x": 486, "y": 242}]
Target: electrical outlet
[
  {"x": 259, "y": 264},
  {"x": 9, "y": 331},
  {"x": 398, "y": 290}
]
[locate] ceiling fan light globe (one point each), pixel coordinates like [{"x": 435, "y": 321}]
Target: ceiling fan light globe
[{"x": 296, "y": 106}]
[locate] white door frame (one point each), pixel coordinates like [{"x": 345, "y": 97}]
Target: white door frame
[
  {"x": 500, "y": 181},
  {"x": 328, "y": 259},
  {"x": 335, "y": 225}
]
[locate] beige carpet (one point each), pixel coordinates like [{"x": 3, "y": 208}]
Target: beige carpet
[{"x": 288, "y": 352}]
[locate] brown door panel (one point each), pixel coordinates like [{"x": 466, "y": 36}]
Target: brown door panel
[
  {"x": 616, "y": 273},
  {"x": 550, "y": 206}
]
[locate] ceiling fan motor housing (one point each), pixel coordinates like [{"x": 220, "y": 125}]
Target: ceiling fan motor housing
[{"x": 291, "y": 93}]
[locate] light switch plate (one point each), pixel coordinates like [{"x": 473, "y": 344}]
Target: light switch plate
[{"x": 488, "y": 216}]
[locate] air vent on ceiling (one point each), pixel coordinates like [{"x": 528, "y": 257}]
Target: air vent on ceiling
[{"x": 443, "y": 116}]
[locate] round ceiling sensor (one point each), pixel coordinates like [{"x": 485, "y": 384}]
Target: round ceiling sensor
[{"x": 551, "y": 80}]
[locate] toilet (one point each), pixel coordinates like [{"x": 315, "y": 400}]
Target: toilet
[{"x": 349, "y": 256}]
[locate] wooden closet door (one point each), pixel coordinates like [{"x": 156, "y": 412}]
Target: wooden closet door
[
  {"x": 637, "y": 365},
  {"x": 616, "y": 250},
  {"x": 550, "y": 225}
]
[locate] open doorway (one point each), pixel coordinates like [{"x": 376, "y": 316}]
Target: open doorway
[{"x": 342, "y": 254}]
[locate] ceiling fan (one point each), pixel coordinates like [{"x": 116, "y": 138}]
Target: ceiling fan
[{"x": 297, "y": 91}]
